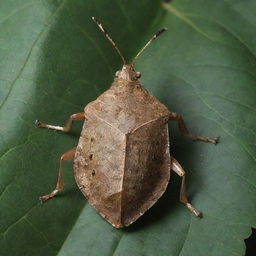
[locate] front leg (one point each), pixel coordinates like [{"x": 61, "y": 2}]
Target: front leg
[
  {"x": 184, "y": 130},
  {"x": 67, "y": 127}
]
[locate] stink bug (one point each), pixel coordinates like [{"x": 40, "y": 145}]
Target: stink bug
[{"x": 122, "y": 162}]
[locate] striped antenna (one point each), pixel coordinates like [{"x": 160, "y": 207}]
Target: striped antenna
[
  {"x": 109, "y": 38},
  {"x": 149, "y": 42}
]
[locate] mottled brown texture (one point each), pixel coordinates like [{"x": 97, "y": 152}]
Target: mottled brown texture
[{"x": 122, "y": 160}]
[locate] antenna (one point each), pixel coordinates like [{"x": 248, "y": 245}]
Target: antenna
[
  {"x": 109, "y": 38},
  {"x": 156, "y": 35}
]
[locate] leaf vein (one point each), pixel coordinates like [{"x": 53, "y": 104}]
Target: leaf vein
[
  {"x": 30, "y": 52},
  {"x": 105, "y": 59},
  {"x": 186, "y": 20},
  {"x": 14, "y": 12},
  {"x": 5, "y": 232},
  {"x": 187, "y": 234},
  {"x": 117, "y": 244}
]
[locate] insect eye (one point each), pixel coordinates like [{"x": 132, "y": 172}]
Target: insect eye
[{"x": 138, "y": 74}]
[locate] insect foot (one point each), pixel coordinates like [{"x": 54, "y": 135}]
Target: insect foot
[
  {"x": 46, "y": 197},
  {"x": 214, "y": 140},
  {"x": 38, "y": 123}
]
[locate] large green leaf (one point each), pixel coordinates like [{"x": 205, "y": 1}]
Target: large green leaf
[{"x": 54, "y": 60}]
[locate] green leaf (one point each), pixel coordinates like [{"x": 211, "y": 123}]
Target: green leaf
[{"x": 54, "y": 60}]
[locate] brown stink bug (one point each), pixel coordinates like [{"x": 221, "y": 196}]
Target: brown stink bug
[{"x": 122, "y": 162}]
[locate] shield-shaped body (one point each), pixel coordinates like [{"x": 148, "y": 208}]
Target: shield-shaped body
[{"x": 122, "y": 160}]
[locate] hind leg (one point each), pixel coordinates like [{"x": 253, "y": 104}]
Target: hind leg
[
  {"x": 68, "y": 156},
  {"x": 175, "y": 166}
]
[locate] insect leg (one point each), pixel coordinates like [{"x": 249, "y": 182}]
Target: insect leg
[
  {"x": 175, "y": 166},
  {"x": 69, "y": 155},
  {"x": 67, "y": 127},
  {"x": 183, "y": 129}
]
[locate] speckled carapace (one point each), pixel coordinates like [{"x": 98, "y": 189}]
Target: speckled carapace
[{"x": 122, "y": 162}]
